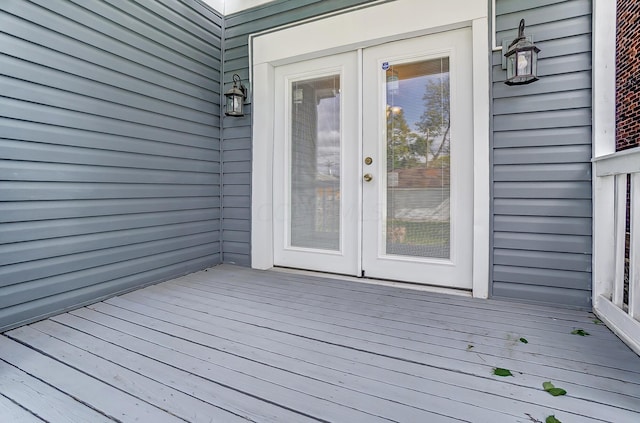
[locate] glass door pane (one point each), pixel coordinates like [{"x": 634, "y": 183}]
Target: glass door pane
[
  {"x": 315, "y": 163},
  {"x": 418, "y": 137}
]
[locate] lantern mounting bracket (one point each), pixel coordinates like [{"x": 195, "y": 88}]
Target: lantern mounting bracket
[{"x": 520, "y": 35}]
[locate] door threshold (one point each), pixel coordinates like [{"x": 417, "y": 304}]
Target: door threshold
[{"x": 372, "y": 281}]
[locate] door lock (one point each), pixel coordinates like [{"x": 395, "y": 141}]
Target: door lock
[
  {"x": 368, "y": 161},
  {"x": 368, "y": 177}
]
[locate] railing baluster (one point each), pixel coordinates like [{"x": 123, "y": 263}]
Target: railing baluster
[
  {"x": 634, "y": 249},
  {"x": 620, "y": 207}
]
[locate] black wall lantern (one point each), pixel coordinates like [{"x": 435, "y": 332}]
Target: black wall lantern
[
  {"x": 522, "y": 60},
  {"x": 235, "y": 98}
]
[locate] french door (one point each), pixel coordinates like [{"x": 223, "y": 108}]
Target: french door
[{"x": 373, "y": 162}]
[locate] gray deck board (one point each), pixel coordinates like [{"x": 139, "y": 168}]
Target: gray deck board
[
  {"x": 433, "y": 381},
  {"x": 95, "y": 393},
  {"x": 147, "y": 389},
  {"x": 313, "y": 365},
  {"x": 42, "y": 399},
  {"x": 321, "y": 400},
  {"x": 583, "y": 385},
  {"x": 233, "y": 344},
  {"x": 405, "y": 318},
  {"x": 12, "y": 412},
  {"x": 425, "y": 341}
]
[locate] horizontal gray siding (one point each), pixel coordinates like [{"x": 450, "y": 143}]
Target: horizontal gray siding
[
  {"x": 236, "y": 146},
  {"x": 541, "y": 241},
  {"x": 109, "y": 148}
]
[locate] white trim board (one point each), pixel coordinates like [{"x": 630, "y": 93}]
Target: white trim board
[
  {"x": 227, "y": 7},
  {"x": 604, "y": 78},
  {"x": 359, "y": 29}
]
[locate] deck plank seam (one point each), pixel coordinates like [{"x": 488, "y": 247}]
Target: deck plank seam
[
  {"x": 21, "y": 406},
  {"x": 55, "y": 387}
]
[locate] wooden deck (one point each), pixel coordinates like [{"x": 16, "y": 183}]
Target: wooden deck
[{"x": 232, "y": 344}]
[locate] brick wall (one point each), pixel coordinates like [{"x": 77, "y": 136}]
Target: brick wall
[{"x": 628, "y": 75}]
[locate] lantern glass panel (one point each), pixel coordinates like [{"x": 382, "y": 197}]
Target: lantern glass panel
[
  {"x": 523, "y": 63},
  {"x": 234, "y": 104},
  {"x": 511, "y": 66},
  {"x": 534, "y": 63}
]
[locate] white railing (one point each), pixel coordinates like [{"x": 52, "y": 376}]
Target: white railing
[{"x": 616, "y": 252}]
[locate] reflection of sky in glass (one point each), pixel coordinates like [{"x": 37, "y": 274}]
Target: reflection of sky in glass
[{"x": 410, "y": 98}]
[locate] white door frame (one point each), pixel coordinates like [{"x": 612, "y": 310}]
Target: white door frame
[
  {"x": 343, "y": 258},
  {"x": 359, "y": 28}
]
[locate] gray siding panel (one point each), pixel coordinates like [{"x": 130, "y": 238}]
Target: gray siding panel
[
  {"x": 527, "y": 207},
  {"x": 542, "y": 260},
  {"x": 541, "y": 217},
  {"x": 542, "y": 224},
  {"x": 109, "y": 149},
  {"x": 571, "y": 297},
  {"x": 236, "y": 148}
]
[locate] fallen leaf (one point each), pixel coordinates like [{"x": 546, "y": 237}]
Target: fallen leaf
[
  {"x": 552, "y": 419},
  {"x": 502, "y": 372},
  {"x": 580, "y": 332},
  {"x": 556, "y": 392},
  {"x": 524, "y": 340},
  {"x": 548, "y": 386}
]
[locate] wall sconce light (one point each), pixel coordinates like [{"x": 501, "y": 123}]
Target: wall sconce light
[
  {"x": 235, "y": 98},
  {"x": 522, "y": 60}
]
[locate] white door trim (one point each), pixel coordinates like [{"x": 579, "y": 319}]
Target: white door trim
[{"x": 358, "y": 29}]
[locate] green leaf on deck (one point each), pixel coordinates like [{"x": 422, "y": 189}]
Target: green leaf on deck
[
  {"x": 524, "y": 340},
  {"x": 597, "y": 321},
  {"x": 469, "y": 347},
  {"x": 556, "y": 392},
  {"x": 580, "y": 332},
  {"x": 502, "y": 372},
  {"x": 548, "y": 386},
  {"x": 552, "y": 419}
]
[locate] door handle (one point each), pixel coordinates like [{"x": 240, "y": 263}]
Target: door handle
[{"x": 368, "y": 177}]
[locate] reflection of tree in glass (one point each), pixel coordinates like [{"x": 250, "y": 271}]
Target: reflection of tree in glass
[
  {"x": 435, "y": 121},
  {"x": 402, "y": 141}
]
